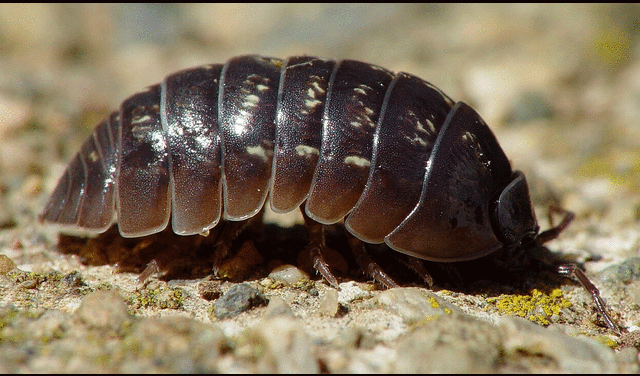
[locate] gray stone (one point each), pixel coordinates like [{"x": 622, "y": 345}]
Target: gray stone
[
  {"x": 522, "y": 338},
  {"x": 238, "y": 299},
  {"x": 172, "y": 344},
  {"x": 415, "y": 304},
  {"x": 276, "y": 307},
  {"x": 282, "y": 346},
  {"x": 450, "y": 344},
  {"x": 624, "y": 272}
]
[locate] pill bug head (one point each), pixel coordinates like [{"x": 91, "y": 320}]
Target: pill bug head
[
  {"x": 514, "y": 221},
  {"x": 472, "y": 202}
]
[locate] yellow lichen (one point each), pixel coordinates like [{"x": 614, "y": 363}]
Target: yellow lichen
[
  {"x": 606, "y": 341},
  {"x": 537, "y": 307},
  {"x": 434, "y": 303},
  {"x": 160, "y": 298}
]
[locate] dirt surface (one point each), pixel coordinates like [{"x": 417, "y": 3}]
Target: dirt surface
[{"x": 558, "y": 84}]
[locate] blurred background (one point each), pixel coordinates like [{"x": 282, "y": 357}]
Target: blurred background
[{"x": 558, "y": 84}]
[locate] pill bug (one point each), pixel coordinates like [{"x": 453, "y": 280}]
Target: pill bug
[{"x": 393, "y": 155}]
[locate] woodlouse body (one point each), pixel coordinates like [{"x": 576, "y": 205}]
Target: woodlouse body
[{"x": 391, "y": 152}]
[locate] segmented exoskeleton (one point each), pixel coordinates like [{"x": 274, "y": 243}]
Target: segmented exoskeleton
[{"x": 393, "y": 155}]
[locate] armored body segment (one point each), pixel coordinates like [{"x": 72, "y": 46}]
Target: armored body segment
[
  {"x": 97, "y": 207},
  {"x": 189, "y": 109},
  {"x": 248, "y": 98},
  {"x": 143, "y": 199},
  {"x": 412, "y": 114},
  {"x": 301, "y": 100},
  {"x": 354, "y": 101}
]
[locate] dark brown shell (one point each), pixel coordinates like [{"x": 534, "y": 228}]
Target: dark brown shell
[{"x": 390, "y": 152}]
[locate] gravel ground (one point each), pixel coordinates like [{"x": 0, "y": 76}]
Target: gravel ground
[{"x": 558, "y": 84}]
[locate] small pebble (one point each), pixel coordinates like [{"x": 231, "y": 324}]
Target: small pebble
[
  {"x": 73, "y": 279},
  {"x": 105, "y": 309},
  {"x": 276, "y": 307},
  {"x": 350, "y": 291},
  {"x": 355, "y": 337},
  {"x": 329, "y": 303},
  {"x": 459, "y": 344},
  {"x": 288, "y": 274},
  {"x": 414, "y": 304},
  {"x": 6, "y": 264},
  {"x": 172, "y": 344},
  {"x": 238, "y": 299},
  {"x": 628, "y": 358},
  {"x": 209, "y": 290},
  {"x": 624, "y": 272},
  {"x": 569, "y": 354},
  {"x": 284, "y": 345}
]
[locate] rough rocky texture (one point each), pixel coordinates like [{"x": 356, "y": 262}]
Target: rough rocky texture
[
  {"x": 238, "y": 299},
  {"x": 558, "y": 84}
]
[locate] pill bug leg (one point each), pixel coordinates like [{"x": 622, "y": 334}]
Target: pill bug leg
[
  {"x": 370, "y": 267},
  {"x": 417, "y": 266},
  {"x": 554, "y": 231},
  {"x": 574, "y": 270},
  {"x": 151, "y": 269},
  {"x": 316, "y": 245}
]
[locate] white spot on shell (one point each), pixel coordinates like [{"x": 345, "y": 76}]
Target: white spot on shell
[
  {"x": 140, "y": 119},
  {"x": 251, "y": 101},
  {"x": 158, "y": 142},
  {"x": 311, "y": 93},
  {"x": 93, "y": 156},
  {"x": 432, "y": 127},
  {"x": 317, "y": 87},
  {"x": 241, "y": 122},
  {"x": 377, "y": 68},
  {"x": 358, "y": 161},
  {"x": 203, "y": 142},
  {"x": 260, "y": 152},
  {"x": 417, "y": 140},
  {"x": 306, "y": 151},
  {"x": 311, "y": 104}
]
